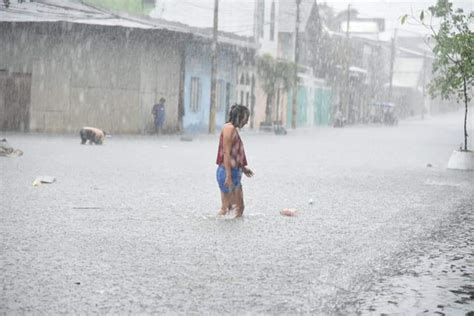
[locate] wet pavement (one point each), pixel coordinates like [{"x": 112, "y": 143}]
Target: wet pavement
[{"x": 130, "y": 227}]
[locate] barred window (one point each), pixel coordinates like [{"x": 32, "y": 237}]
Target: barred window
[{"x": 195, "y": 93}]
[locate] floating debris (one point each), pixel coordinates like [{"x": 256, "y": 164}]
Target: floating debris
[
  {"x": 186, "y": 138},
  {"x": 288, "y": 212},
  {"x": 43, "y": 179},
  {"x": 86, "y": 208}
]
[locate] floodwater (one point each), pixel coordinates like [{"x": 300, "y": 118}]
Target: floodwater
[{"x": 130, "y": 226}]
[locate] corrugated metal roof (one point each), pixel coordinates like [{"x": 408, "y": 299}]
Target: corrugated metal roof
[
  {"x": 75, "y": 12},
  {"x": 54, "y": 11}
]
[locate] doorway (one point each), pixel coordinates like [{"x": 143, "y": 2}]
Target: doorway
[{"x": 15, "y": 96}]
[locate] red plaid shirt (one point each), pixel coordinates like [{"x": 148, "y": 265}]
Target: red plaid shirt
[{"x": 237, "y": 152}]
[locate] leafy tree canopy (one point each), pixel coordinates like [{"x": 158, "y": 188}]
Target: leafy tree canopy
[
  {"x": 453, "y": 49},
  {"x": 453, "y": 66}
]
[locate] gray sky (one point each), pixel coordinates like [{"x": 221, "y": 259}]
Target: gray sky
[
  {"x": 237, "y": 15},
  {"x": 392, "y": 11},
  {"x": 234, "y": 15}
]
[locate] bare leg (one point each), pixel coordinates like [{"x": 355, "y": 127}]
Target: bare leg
[
  {"x": 226, "y": 203},
  {"x": 239, "y": 202}
]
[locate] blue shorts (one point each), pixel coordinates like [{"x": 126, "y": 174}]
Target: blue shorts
[{"x": 236, "y": 178}]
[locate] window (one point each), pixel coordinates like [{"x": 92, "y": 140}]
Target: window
[
  {"x": 272, "y": 22},
  {"x": 195, "y": 94},
  {"x": 241, "y": 97},
  {"x": 220, "y": 95}
]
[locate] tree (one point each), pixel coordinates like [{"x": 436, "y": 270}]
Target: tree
[
  {"x": 274, "y": 76},
  {"x": 284, "y": 79},
  {"x": 453, "y": 67}
]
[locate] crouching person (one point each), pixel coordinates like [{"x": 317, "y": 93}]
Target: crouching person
[
  {"x": 8, "y": 151},
  {"x": 93, "y": 135}
]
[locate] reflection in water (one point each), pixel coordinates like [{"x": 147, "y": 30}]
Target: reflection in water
[
  {"x": 436, "y": 277},
  {"x": 131, "y": 226}
]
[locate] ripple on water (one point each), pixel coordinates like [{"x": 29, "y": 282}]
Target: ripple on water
[{"x": 435, "y": 277}]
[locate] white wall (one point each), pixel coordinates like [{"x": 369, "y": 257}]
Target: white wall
[{"x": 269, "y": 46}]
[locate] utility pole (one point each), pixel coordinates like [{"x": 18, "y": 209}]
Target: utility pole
[
  {"x": 424, "y": 84},
  {"x": 392, "y": 63},
  {"x": 295, "y": 88},
  {"x": 345, "y": 95},
  {"x": 212, "y": 109}
]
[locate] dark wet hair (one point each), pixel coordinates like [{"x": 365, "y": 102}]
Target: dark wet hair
[
  {"x": 162, "y": 100},
  {"x": 237, "y": 114}
]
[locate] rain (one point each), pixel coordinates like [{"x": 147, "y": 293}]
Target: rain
[{"x": 236, "y": 157}]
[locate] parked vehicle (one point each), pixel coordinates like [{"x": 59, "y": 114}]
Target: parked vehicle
[
  {"x": 339, "y": 119},
  {"x": 383, "y": 112},
  {"x": 389, "y": 117}
]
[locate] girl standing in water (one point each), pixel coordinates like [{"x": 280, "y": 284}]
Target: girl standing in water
[{"x": 232, "y": 162}]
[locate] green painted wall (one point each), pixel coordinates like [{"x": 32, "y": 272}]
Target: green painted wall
[
  {"x": 322, "y": 106},
  {"x": 131, "y": 6},
  {"x": 302, "y": 103},
  {"x": 301, "y": 118}
]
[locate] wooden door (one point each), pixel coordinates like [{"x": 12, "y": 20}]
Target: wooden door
[{"x": 15, "y": 88}]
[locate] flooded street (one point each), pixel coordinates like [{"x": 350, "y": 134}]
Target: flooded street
[{"x": 131, "y": 226}]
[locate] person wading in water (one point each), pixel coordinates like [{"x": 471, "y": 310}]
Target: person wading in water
[{"x": 232, "y": 162}]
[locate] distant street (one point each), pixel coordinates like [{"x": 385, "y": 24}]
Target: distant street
[{"x": 130, "y": 226}]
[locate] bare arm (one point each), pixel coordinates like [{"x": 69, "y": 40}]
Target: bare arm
[
  {"x": 228, "y": 133},
  {"x": 247, "y": 171}
]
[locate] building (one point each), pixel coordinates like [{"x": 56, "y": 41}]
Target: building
[
  {"x": 69, "y": 65},
  {"x": 355, "y": 62},
  {"x": 257, "y": 20},
  {"x": 314, "y": 99}
]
